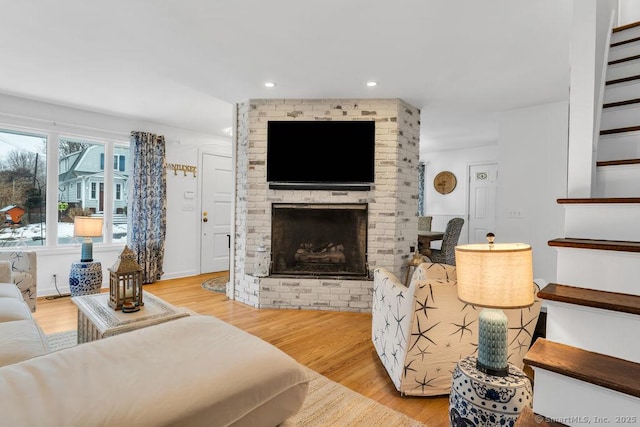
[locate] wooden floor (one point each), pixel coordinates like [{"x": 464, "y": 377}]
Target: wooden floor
[{"x": 335, "y": 344}]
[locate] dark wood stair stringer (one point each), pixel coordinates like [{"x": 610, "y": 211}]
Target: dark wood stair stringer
[
  {"x": 603, "y": 245},
  {"x": 594, "y": 368},
  {"x": 606, "y": 300}
]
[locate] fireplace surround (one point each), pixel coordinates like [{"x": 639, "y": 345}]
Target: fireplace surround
[
  {"x": 389, "y": 206},
  {"x": 317, "y": 239}
]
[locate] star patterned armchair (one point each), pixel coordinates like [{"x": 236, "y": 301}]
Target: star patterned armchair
[{"x": 421, "y": 331}]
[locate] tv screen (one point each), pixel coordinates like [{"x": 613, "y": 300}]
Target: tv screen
[{"x": 318, "y": 153}]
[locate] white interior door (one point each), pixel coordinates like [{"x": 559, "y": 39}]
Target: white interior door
[
  {"x": 215, "y": 217},
  {"x": 483, "y": 184}
]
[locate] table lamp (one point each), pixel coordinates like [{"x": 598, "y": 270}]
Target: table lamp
[
  {"x": 494, "y": 276},
  {"x": 87, "y": 227}
]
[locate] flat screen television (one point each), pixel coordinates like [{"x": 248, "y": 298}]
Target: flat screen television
[{"x": 321, "y": 154}]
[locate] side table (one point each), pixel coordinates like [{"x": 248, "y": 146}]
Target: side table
[
  {"x": 97, "y": 320},
  {"x": 85, "y": 278},
  {"x": 480, "y": 399}
]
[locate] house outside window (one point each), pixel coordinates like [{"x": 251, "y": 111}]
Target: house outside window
[
  {"x": 79, "y": 190},
  {"x": 23, "y": 188},
  {"x": 86, "y": 164}
]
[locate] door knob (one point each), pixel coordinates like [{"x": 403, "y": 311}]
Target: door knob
[{"x": 205, "y": 219}]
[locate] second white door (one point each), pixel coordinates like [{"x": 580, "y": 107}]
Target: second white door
[{"x": 483, "y": 184}]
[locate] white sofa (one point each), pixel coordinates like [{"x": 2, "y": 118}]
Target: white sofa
[
  {"x": 192, "y": 371},
  {"x": 20, "y": 336},
  {"x": 421, "y": 331}
]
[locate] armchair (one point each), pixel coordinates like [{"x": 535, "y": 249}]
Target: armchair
[
  {"x": 421, "y": 331},
  {"x": 22, "y": 270}
]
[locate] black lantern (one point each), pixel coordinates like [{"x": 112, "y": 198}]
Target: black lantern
[{"x": 125, "y": 283}]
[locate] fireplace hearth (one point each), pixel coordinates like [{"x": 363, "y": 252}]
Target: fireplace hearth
[{"x": 319, "y": 239}]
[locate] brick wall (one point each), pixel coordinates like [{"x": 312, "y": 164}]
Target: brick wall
[{"x": 392, "y": 200}]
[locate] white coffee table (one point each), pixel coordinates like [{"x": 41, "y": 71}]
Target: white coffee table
[{"x": 96, "y": 320}]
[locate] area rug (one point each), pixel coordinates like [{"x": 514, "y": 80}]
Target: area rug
[
  {"x": 327, "y": 404},
  {"x": 216, "y": 284}
]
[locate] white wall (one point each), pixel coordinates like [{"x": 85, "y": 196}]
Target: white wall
[
  {"x": 443, "y": 207},
  {"x": 628, "y": 12},
  {"x": 590, "y": 27},
  {"x": 182, "y": 253},
  {"x": 533, "y": 175}
]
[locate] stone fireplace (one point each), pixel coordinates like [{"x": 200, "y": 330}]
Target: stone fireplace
[
  {"x": 315, "y": 239},
  {"x": 323, "y": 243}
]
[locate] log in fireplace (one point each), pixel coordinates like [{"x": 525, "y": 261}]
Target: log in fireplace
[{"x": 319, "y": 239}]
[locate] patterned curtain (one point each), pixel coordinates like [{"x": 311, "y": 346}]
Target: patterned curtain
[
  {"x": 421, "y": 168},
  {"x": 148, "y": 203}
]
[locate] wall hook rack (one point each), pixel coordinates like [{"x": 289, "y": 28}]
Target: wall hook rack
[{"x": 175, "y": 167}]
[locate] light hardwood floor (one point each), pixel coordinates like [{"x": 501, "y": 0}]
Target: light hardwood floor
[{"x": 335, "y": 344}]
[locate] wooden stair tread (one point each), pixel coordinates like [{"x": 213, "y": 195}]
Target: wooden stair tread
[
  {"x": 621, "y": 103},
  {"x": 603, "y": 245},
  {"x": 626, "y": 59},
  {"x": 620, "y": 130},
  {"x": 622, "y": 80},
  {"x": 596, "y": 200},
  {"x": 615, "y": 301},
  {"x": 618, "y": 162},
  {"x": 622, "y": 42},
  {"x": 626, "y": 27},
  {"x": 595, "y": 368}
]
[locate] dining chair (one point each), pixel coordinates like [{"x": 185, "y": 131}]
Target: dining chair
[
  {"x": 424, "y": 223},
  {"x": 446, "y": 254}
]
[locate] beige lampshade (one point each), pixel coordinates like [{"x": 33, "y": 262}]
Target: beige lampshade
[
  {"x": 87, "y": 226},
  {"x": 495, "y": 276}
]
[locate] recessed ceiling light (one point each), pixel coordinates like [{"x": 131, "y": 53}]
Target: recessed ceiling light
[
  {"x": 269, "y": 84},
  {"x": 372, "y": 84}
]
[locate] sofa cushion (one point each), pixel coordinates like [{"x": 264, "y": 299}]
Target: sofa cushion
[
  {"x": 14, "y": 309},
  {"x": 21, "y": 340},
  {"x": 193, "y": 371},
  {"x": 9, "y": 290}
]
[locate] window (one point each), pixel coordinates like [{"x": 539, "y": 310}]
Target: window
[
  {"x": 80, "y": 186},
  {"x": 118, "y": 163},
  {"x": 23, "y": 189},
  {"x": 94, "y": 185}
]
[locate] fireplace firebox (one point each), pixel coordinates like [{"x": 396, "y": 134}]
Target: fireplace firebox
[{"x": 319, "y": 239}]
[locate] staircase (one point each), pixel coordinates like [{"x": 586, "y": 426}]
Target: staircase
[{"x": 587, "y": 369}]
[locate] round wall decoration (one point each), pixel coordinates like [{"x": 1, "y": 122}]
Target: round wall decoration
[{"x": 445, "y": 182}]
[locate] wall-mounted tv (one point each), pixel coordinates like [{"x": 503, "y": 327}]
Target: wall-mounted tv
[{"x": 321, "y": 154}]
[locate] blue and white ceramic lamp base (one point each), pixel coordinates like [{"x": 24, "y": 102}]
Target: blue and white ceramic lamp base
[
  {"x": 478, "y": 399},
  {"x": 85, "y": 278},
  {"x": 492, "y": 342}
]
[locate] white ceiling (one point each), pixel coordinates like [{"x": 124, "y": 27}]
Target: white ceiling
[{"x": 185, "y": 62}]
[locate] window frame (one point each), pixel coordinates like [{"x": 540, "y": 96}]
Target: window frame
[{"x": 53, "y": 134}]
